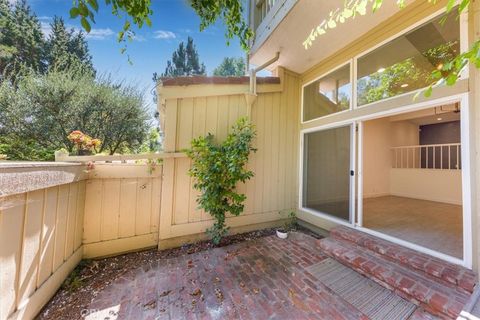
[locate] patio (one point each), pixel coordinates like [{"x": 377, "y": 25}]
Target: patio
[{"x": 266, "y": 278}]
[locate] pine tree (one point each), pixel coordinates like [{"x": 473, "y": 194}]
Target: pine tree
[
  {"x": 21, "y": 38},
  {"x": 230, "y": 67},
  {"x": 65, "y": 48},
  {"x": 185, "y": 62}
]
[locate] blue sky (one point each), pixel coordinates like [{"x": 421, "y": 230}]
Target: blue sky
[{"x": 172, "y": 22}]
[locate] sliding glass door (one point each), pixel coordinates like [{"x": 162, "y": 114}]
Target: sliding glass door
[{"x": 328, "y": 172}]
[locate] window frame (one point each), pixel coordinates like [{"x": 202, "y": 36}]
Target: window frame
[
  {"x": 463, "y": 38},
  {"x": 350, "y": 105},
  {"x": 353, "y": 62}
]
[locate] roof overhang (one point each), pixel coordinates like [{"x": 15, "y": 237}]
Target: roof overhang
[{"x": 289, "y": 35}]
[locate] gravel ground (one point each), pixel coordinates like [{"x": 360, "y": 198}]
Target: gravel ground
[{"x": 90, "y": 277}]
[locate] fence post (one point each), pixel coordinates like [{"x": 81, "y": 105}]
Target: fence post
[{"x": 168, "y": 174}]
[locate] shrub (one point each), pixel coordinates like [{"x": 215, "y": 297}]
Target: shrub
[{"x": 217, "y": 169}]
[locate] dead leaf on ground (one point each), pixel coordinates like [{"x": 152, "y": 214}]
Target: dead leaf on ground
[
  {"x": 165, "y": 293},
  {"x": 196, "y": 292},
  {"x": 255, "y": 290},
  {"x": 242, "y": 284},
  {"x": 150, "y": 305},
  {"x": 291, "y": 293},
  {"x": 219, "y": 294}
]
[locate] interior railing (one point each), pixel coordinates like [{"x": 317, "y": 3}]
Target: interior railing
[{"x": 430, "y": 156}]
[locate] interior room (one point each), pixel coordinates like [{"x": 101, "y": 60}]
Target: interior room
[{"x": 412, "y": 178}]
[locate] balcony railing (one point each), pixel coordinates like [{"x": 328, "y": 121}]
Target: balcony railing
[
  {"x": 431, "y": 156},
  {"x": 264, "y": 7},
  {"x": 266, "y": 15}
]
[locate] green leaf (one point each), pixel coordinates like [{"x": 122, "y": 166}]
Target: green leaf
[
  {"x": 93, "y": 4},
  {"x": 450, "y": 5},
  {"x": 451, "y": 79},
  {"x": 85, "y": 24},
  {"x": 83, "y": 10},
  {"x": 377, "y": 4},
  {"x": 74, "y": 12},
  {"x": 428, "y": 91}
]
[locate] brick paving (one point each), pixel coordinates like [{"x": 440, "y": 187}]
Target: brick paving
[
  {"x": 441, "y": 288},
  {"x": 453, "y": 274},
  {"x": 265, "y": 278}
]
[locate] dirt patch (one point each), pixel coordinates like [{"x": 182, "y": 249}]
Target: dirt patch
[{"x": 90, "y": 277}]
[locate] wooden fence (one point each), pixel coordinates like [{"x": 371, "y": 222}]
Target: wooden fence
[
  {"x": 40, "y": 244},
  {"x": 132, "y": 202}
]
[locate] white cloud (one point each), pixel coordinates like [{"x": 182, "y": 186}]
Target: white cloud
[
  {"x": 139, "y": 38},
  {"x": 164, "y": 34},
  {"x": 46, "y": 29},
  {"x": 99, "y": 34},
  {"x": 95, "y": 34}
]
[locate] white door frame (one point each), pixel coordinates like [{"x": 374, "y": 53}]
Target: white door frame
[
  {"x": 466, "y": 186},
  {"x": 323, "y": 215}
]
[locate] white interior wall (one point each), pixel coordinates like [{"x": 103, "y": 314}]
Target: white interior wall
[
  {"x": 404, "y": 133},
  {"x": 380, "y": 179},
  {"x": 427, "y": 184},
  {"x": 376, "y": 158}
]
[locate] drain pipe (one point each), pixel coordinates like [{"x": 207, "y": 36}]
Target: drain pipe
[
  {"x": 252, "y": 94},
  {"x": 253, "y": 73}
]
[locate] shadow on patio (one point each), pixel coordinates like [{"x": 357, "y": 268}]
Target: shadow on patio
[{"x": 265, "y": 278}]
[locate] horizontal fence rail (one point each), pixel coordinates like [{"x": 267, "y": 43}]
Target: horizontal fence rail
[
  {"x": 430, "y": 156},
  {"x": 120, "y": 158}
]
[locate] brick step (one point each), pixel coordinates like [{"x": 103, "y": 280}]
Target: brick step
[
  {"x": 436, "y": 297},
  {"x": 456, "y": 275}
]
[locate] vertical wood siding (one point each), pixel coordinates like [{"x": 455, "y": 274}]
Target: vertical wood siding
[
  {"x": 39, "y": 232},
  {"x": 274, "y": 187},
  {"x": 122, "y": 209}
]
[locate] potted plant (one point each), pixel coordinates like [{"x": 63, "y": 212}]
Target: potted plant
[
  {"x": 289, "y": 225},
  {"x": 84, "y": 144}
]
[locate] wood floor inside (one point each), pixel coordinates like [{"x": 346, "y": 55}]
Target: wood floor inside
[{"x": 434, "y": 225}]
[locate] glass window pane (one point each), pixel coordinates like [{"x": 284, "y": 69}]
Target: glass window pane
[
  {"x": 405, "y": 64},
  {"x": 326, "y": 172},
  {"x": 327, "y": 95}
]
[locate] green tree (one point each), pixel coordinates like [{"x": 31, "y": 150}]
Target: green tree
[
  {"x": 65, "y": 47},
  {"x": 230, "y": 67},
  {"x": 44, "y": 109},
  {"x": 217, "y": 169},
  {"x": 185, "y": 62},
  {"x": 138, "y": 12},
  {"x": 21, "y": 38}
]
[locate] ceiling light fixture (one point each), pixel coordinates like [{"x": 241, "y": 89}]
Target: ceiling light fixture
[
  {"x": 439, "y": 119},
  {"x": 381, "y": 70}
]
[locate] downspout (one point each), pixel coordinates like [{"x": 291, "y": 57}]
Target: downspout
[{"x": 252, "y": 94}]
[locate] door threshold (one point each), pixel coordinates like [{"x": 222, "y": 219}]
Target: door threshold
[{"x": 413, "y": 246}]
